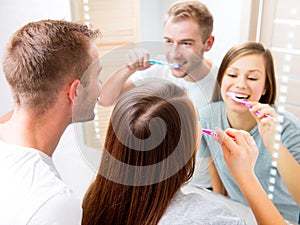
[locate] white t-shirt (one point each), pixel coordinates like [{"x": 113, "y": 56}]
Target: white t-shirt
[
  {"x": 31, "y": 191},
  {"x": 200, "y": 92}
]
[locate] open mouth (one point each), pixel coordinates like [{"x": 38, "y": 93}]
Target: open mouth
[
  {"x": 177, "y": 65},
  {"x": 236, "y": 96},
  {"x": 241, "y": 96}
]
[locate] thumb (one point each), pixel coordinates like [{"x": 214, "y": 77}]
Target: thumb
[{"x": 227, "y": 140}]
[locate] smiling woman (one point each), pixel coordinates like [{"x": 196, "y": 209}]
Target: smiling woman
[
  {"x": 247, "y": 72},
  {"x": 148, "y": 15}
]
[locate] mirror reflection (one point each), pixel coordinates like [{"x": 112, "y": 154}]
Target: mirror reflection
[{"x": 132, "y": 24}]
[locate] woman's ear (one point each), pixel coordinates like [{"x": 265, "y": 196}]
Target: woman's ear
[
  {"x": 73, "y": 90},
  {"x": 209, "y": 43}
]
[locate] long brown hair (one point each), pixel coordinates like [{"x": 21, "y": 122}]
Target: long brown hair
[{"x": 149, "y": 152}]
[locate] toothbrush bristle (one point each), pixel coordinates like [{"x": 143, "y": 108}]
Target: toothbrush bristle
[
  {"x": 175, "y": 65},
  {"x": 231, "y": 95}
]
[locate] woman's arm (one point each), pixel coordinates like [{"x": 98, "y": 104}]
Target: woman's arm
[
  {"x": 288, "y": 167},
  {"x": 240, "y": 156},
  {"x": 289, "y": 170},
  {"x": 216, "y": 182}
]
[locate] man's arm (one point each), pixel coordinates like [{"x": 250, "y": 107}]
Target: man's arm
[
  {"x": 115, "y": 85},
  {"x": 119, "y": 81}
]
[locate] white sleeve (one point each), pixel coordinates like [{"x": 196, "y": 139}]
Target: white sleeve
[
  {"x": 62, "y": 209},
  {"x": 153, "y": 73}
]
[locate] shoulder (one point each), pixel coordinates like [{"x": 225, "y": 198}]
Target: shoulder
[
  {"x": 290, "y": 133},
  {"x": 290, "y": 126},
  {"x": 31, "y": 184},
  {"x": 63, "y": 208},
  {"x": 192, "y": 208},
  {"x": 211, "y": 109},
  {"x": 289, "y": 119},
  {"x": 153, "y": 73}
]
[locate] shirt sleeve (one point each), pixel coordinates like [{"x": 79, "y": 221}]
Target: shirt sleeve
[
  {"x": 290, "y": 135},
  {"x": 154, "y": 73},
  {"x": 62, "y": 209},
  {"x": 203, "y": 151}
]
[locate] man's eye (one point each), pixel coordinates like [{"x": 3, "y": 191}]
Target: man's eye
[{"x": 187, "y": 43}]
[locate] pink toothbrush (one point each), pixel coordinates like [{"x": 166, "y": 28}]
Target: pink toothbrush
[
  {"x": 213, "y": 133},
  {"x": 210, "y": 132},
  {"x": 234, "y": 98}
]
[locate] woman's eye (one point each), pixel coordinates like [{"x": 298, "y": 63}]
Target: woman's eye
[
  {"x": 252, "y": 78},
  {"x": 231, "y": 75}
]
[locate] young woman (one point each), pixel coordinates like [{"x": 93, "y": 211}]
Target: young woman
[
  {"x": 149, "y": 153},
  {"x": 247, "y": 75}
]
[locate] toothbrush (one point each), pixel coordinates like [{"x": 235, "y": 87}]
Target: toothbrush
[
  {"x": 209, "y": 132},
  {"x": 234, "y": 98},
  {"x": 171, "y": 65},
  {"x": 213, "y": 133}
]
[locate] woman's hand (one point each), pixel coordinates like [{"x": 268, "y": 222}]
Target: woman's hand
[
  {"x": 267, "y": 122},
  {"x": 239, "y": 152}
]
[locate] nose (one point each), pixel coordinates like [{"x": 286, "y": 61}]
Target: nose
[
  {"x": 241, "y": 82},
  {"x": 174, "y": 52}
]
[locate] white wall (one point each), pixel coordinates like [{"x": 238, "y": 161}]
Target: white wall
[{"x": 16, "y": 13}]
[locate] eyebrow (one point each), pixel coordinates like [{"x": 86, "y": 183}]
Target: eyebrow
[{"x": 183, "y": 40}]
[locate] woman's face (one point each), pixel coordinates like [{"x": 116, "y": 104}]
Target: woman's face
[{"x": 245, "y": 78}]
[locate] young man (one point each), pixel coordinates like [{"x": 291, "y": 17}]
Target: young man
[
  {"x": 52, "y": 68},
  {"x": 187, "y": 36}
]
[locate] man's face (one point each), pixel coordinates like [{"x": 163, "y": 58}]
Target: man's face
[
  {"x": 88, "y": 91},
  {"x": 183, "y": 45}
]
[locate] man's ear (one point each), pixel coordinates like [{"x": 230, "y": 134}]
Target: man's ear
[
  {"x": 72, "y": 90},
  {"x": 209, "y": 43}
]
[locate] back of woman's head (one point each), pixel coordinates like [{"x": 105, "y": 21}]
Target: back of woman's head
[{"x": 149, "y": 153}]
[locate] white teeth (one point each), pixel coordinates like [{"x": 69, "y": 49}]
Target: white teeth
[{"x": 240, "y": 96}]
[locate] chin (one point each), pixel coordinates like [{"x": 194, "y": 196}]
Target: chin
[
  {"x": 178, "y": 74},
  {"x": 83, "y": 118}
]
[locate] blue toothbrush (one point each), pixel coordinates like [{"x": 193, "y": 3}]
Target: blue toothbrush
[{"x": 170, "y": 65}]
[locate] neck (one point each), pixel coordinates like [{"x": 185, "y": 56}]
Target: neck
[
  {"x": 39, "y": 132},
  {"x": 241, "y": 121},
  {"x": 199, "y": 72}
]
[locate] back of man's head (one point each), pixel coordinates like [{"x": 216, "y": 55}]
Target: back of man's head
[{"x": 42, "y": 57}]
